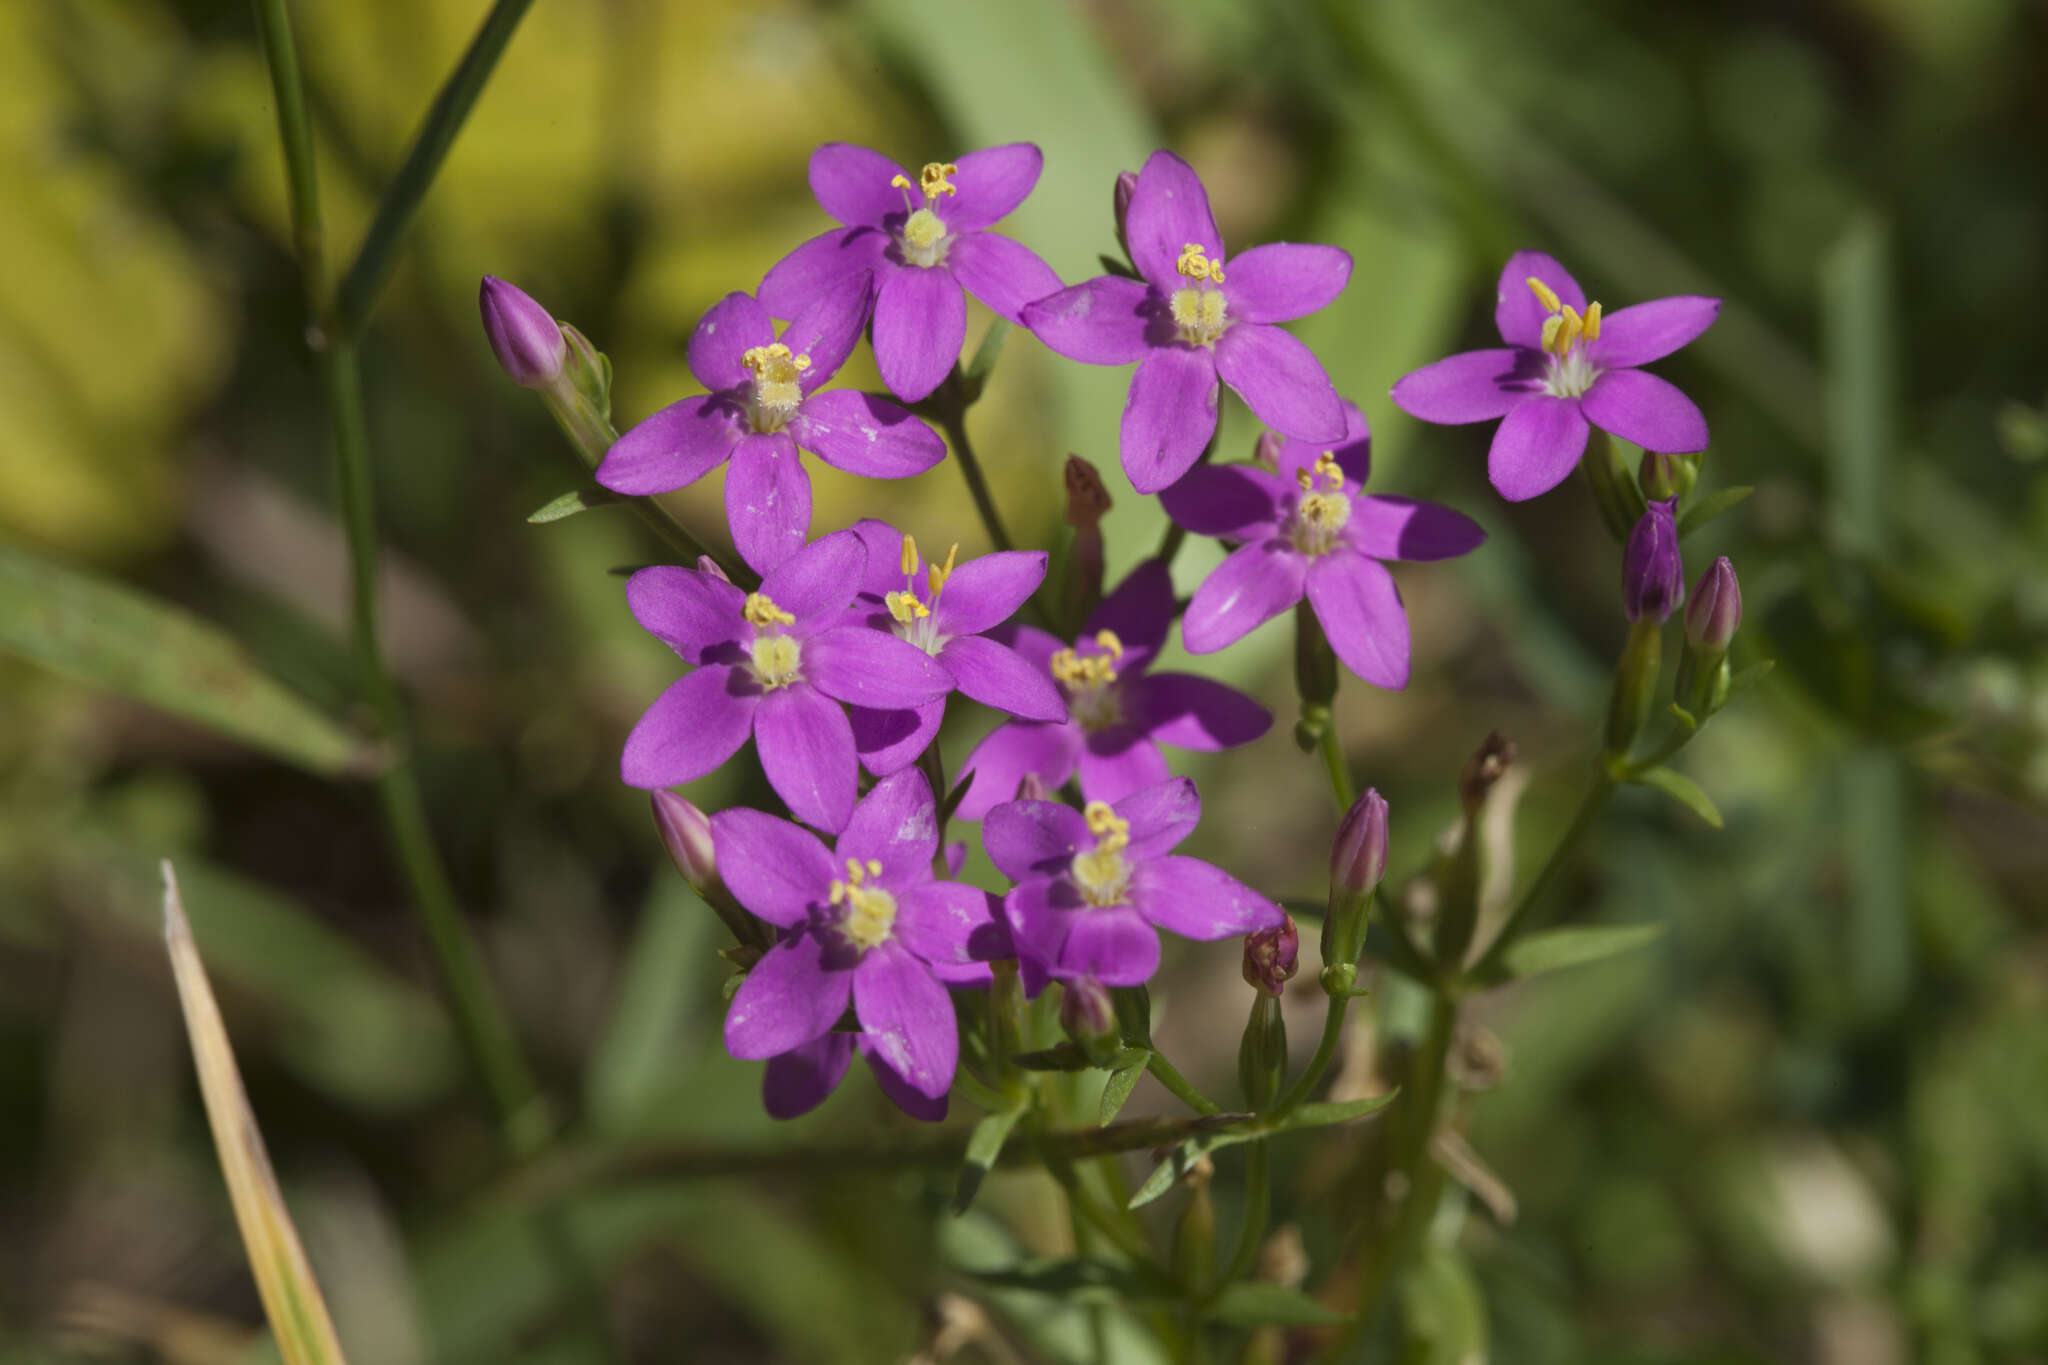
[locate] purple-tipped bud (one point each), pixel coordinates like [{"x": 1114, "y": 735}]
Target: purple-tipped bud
[
  {"x": 706, "y": 564},
  {"x": 955, "y": 856},
  {"x": 687, "y": 833},
  {"x": 523, "y": 335},
  {"x": 1359, "y": 857},
  {"x": 1032, "y": 788},
  {"x": 1086, "y": 1011},
  {"x": 1652, "y": 576},
  {"x": 1272, "y": 956},
  {"x": 1716, "y": 610},
  {"x": 1266, "y": 450},
  {"x": 1120, "y": 202}
]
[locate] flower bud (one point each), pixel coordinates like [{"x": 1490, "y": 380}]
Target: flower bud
[
  {"x": 686, "y": 831},
  {"x": 1087, "y": 1013},
  {"x": 1120, "y": 204},
  {"x": 1495, "y": 754},
  {"x": 1652, "y": 575},
  {"x": 1716, "y": 610},
  {"x": 1272, "y": 956},
  {"x": 1262, "y": 1053},
  {"x": 1635, "y": 685},
  {"x": 1665, "y": 476},
  {"x": 1615, "y": 493},
  {"x": 1266, "y": 450},
  {"x": 707, "y": 565},
  {"x": 523, "y": 335},
  {"x": 1358, "y": 859},
  {"x": 1032, "y": 788},
  {"x": 1087, "y": 502}
]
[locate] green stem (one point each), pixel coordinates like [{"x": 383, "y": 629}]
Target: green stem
[
  {"x": 1169, "y": 1076},
  {"x": 1524, "y": 915},
  {"x": 295, "y": 132},
  {"x": 1258, "y": 1208},
  {"x": 1170, "y": 543},
  {"x": 401, "y": 200},
  {"x": 1332, "y": 745},
  {"x": 952, "y": 410},
  {"x": 592, "y": 434},
  {"x": 1326, "y": 1050}
]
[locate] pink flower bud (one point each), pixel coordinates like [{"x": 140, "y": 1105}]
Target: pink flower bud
[
  {"x": 1033, "y": 788},
  {"x": 687, "y": 833},
  {"x": 1716, "y": 610},
  {"x": 706, "y": 564},
  {"x": 1359, "y": 857},
  {"x": 1120, "y": 203},
  {"x": 1086, "y": 1011},
  {"x": 1652, "y": 577},
  {"x": 523, "y": 335},
  {"x": 1272, "y": 956}
]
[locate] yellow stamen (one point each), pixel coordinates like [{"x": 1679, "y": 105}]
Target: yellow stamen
[
  {"x": 937, "y": 574},
  {"x": 1545, "y": 295},
  {"x": 761, "y": 612},
  {"x": 1196, "y": 264},
  {"x": 904, "y": 606},
  {"x": 1111, "y": 831},
  {"x": 909, "y": 557},
  {"x": 1083, "y": 671},
  {"x": 1593, "y": 321},
  {"x": 1100, "y": 873},
  {"x": 870, "y": 911},
  {"x": 768, "y": 362},
  {"x": 1108, "y": 641}
]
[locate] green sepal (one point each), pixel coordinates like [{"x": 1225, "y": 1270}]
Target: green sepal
[
  {"x": 1683, "y": 790},
  {"x": 570, "y": 503}
]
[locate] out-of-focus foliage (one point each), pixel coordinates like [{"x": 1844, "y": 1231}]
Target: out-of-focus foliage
[{"x": 1807, "y": 1124}]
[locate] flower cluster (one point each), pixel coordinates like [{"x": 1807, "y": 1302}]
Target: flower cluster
[{"x": 836, "y": 656}]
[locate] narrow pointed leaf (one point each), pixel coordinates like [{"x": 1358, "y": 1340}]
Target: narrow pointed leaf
[
  {"x": 1711, "y": 506},
  {"x": 1118, "y": 1087},
  {"x": 284, "y": 1277},
  {"x": 1255, "y": 1303},
  {"x": 1683, "y": 790},
  {"x": 1326, "y": 1112},
  {"x": 570, "y": 503},
  {"x": 983, "y": 1147},
  {"x": 110, "y": 636}
]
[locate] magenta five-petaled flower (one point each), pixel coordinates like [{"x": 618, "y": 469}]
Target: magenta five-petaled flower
[
  {"x": 863, "y": 922},
  {"x": 1565, "y": 366},
  {"x": 1118, "y": 712},
  {"x": 765, "y": 403},
  {"x": 1093, "y": 885},
  {"x": 1305, "y": 528},
  {"x": 923, "y": 241},
  {"x": 1195, "y": 318},
  {"x": 943, "y": 609},
  {"x": 774, "y": 664}
]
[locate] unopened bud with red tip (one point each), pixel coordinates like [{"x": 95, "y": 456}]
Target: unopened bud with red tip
[
  {"x": 1716, "y": 611},
  {"x": 1272, "y": 956},
  {"x": 1652, "y": 575},
  {"x": 1087, "y": 1013},
  {"x": 524, "y": 336},
  {"x": 686, "y": 831},
  {"x": 1120, "y": 204}
]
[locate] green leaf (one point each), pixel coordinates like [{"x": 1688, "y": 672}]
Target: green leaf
[
  {"x": 1121, "y": 1082},
  {"x": 1711, "y": 506},
  {"x": 1326, "y": 1112},
  {"x": 1683, "y": 790},
  {"x": 1079, "y": 1276},
  {"x": 1182, "y": 1159},
  {"x": 983, "y": 1147},
  {"x": 1552, "y": 949},
  {"x": 1250, "y": 1128},
  {"x": 110, "y": 636},
  {"x": 1253, "y": 1303},
  {"x": 1071, "y": 1056},
  {"x": 574, "y": 501},
  {"x": 1745, "y": 678},
  {"x": 1443, "y": 1313}
]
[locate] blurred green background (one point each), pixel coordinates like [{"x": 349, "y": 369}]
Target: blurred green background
[{"x": 1810, "y": 1125}]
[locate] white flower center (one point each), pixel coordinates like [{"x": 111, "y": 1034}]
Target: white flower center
[
  {"x": 868, "y": 913},
  {"x": 1089, "y": 682},
  {"x": 1565, "y": 337},
  {"x": 922, "y": 239},
  {"x": 912, "y": 611},
  {"x": 1323, "y": 508},
  {"x": 777, "y": 388},
  {"x": 776, "y": 660},
  {"x": 1101, "y": 874},
  {"x": 1198, "y": 310}
]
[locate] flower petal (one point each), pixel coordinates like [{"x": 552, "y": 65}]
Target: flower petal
[
  {"x": 987, "y": 591},
  {"x": 693, "y": 727},
  {"x": 1191, "y": 712},
  {"x": 884, "y": 544},
  {"x": 1139, "y": 611},
  {"x": 1026, "y": 839},
  {"x": 791, "y": 997},
  {"x": 923, "y": 1108},
  {"x": 1169, "y": 416},
  {"x": 798, "y": 1081},
  {"x": 1516, "y": 310},
  {"x": 1361, "y": 613},
  {"x": 1281, "y": 380},
  {"x": 1253, "y": 584},
  {"x": 873, "y": 668},
  {"x": 1638, "y": 406},
  {"x": 1197, "y": 900},
  {"x": 950, "y": 926},
  {"x": 888, "y": 741},
  {"x": 853, "y": 184},
  {"x": 1539, "y": 442},
  {"x": 1644, "y": 332},
  {"x": 920, "y": 321},
  {"x": 695, "y": 614},
  {"x": 1228, "y": 501},
  {"x": 1040, "y": 911},
  {"x": 815, "y": 584},
  {"x": 995, "y": 675},
  {"x": 990, "y": 184},
  {"x": 897, "y": 825},
  {"x": 865, "y": 435},
  {"x": 723, "y": 335},
  {"x": 907, "y": 1018},
  {"x": 806, "y": 749},
  {"x": 1113, "y": 765},
  {"x": 1000, "y": 762},
  {"x": 674, "y": 447},
  {"x": 1102, "y": 321},
  {"x": 827, "y": 329},
  {"x": 793, "y": 283},
  {"x": 1472, "y": 386},
  {"x": 1114, "y": 945},
  {"x": 1281, "y": 281},
  {"x": 1160, "y": 816},
  {"x": 1353, "y": 452},
  {"x": 1169, "y": 210},
  {"x": 1406, "y": 528},
  {"x": 1003, "y": 274},
  {"x": 767, "y": 500},
  {"x": 774, "y": 868}
]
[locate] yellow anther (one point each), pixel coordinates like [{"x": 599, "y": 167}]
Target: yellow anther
[
  {"x": 1198, "y": 314},
  {"x": 937, "y": 574},
  {"x": 870, "y": 911},
  {"x": 874, "y": 867},
  {"x": 1545, "y": 295},
  {"x": 1083, "y": 671},
  {"x": 1324, "y": 507},
  {"x": 908, "y": 561},
  {"x": 1111, "y": 830},
  {"x": 768, "y": 362},
  {"x": 1109, "y": 643},
  {"x": 1593, "y": 321},
  {"x": 761, "y": 612},
  {"x": 905, "y": 607},
  {"x": 1195, "y": 263}
]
